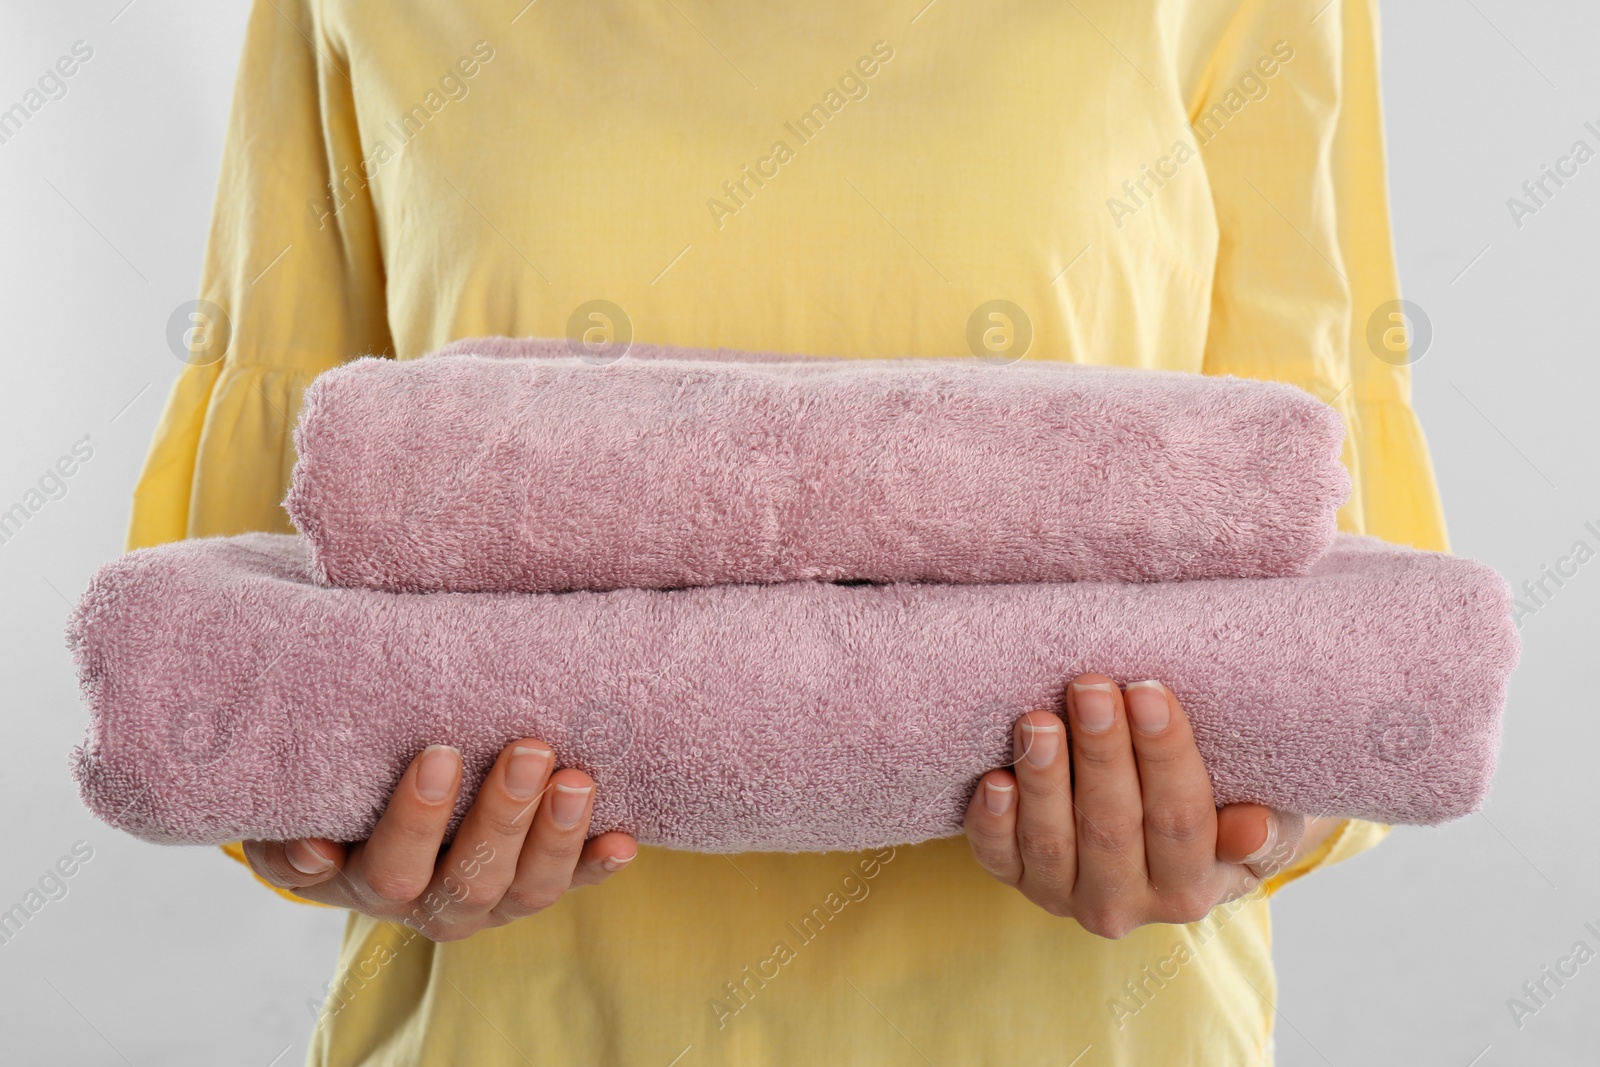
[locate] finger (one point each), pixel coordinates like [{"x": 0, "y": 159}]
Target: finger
[
  {"x": 604, "y": 856},
  {"x": 1105, "y": 792},
  {"x": 294, "y": 865},
  {"x": 397, "y": 862},
  {"x": 1285, "y": 847},
  {"x": 991, "y": 826},
  {"x": 1045, "y": 835},
  {"x": 1259, "y": 838},
  {"x": 482, "y": 859},
  {"x": 550, "y": 853},
  {"x": 1242, "y": 829},
  {"x": 1180, "y": 813},
  {"x": 1235, "y": 881}
]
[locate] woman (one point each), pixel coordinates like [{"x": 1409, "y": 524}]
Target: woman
[{"x": 1193, "y": 184}]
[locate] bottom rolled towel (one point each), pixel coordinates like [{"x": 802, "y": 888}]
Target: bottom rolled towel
[{"x": 232, "y": 697}]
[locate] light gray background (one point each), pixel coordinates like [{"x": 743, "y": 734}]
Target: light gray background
[{"x": 1405, "y": 956}]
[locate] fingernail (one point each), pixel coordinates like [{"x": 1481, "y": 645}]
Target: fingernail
[
  {"x": 997, "y": 798},
  {"x": 1148, "y": 707},
  {"x": 566, "y": 806},
  {"x": 1040, "y": 743},
  {"x": 616, "y": 863},
  {"x": 1267, "y": 846},
  {"x": 1095, "y": 710},
  {"x": 525, "y": 771},
  {"x": 436, "y": 775},
  {"x": 305, "y": 859}
]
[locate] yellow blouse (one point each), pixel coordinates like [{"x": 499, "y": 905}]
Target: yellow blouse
[{"x": 1188, "y": 184}]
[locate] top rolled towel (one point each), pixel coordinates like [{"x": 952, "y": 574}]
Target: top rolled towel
[{"x": 504, "y": 465}]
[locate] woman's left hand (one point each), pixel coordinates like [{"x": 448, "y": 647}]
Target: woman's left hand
[{"x": 1124, "y": 831}]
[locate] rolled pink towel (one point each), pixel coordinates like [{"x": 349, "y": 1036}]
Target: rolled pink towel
[
  {"x": 679, "y": 467},
  {"x": 233, "y": 697}
]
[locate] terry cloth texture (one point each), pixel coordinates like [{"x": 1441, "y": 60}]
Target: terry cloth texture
[
  {"x": 680, "y": 467},
  {"x": 231, "y": 696}
]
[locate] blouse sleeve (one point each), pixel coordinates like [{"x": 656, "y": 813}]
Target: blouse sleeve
[
  {"x": 1286, "y": 115},
  {"x": 292, "y": 285}
]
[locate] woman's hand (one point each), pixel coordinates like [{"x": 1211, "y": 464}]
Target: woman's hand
[
  {"x": 518, "y": 849},
  {"x": 1124, "y": 832}
]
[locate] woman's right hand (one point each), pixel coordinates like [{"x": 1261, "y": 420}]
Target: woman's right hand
[{"x": 518, "y": 849}]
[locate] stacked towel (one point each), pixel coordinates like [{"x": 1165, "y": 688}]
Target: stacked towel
[
  {"x": 780, "y": 604},
  {"x": 468, "y": 473},
  {"x": 233, "y": 696}
]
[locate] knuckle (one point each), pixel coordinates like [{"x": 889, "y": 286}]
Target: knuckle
[
  {"x": 1187, "y": 907},
  {"x": 394, "y": 886},
  {"x": 1001, "y": 862},
  {"x": 1180, "y": 822},
  {"x": 506, "y": 822},
  {"x": 559, "y": 851},
  {"x": 532, "y": 900},
  {"x": 1157, "y": 757},
  {"x": 1043, "y": 846},
  {"x": 1107, "y": 921},
  {"x": 1108, "y": 833},
  {"x": 1037, "y": 786},
  {"x": 1054, "y": 904},
  {"x": 479, "y": 896},
  {"x": 1052, "y": 884},
  {"x": 417, "y": 830},
  {"x": 1100, "y": 752}
]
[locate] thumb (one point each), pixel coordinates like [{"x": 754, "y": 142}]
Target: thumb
[
  {"x": 295, "y": 864},
  {"x": 1263, "y": 840}
]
